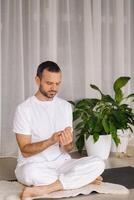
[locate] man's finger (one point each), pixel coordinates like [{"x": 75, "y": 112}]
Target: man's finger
[{"x": 69, "y": 129}]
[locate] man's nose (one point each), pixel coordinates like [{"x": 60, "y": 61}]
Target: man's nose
[{"x": 53, "y": 87}]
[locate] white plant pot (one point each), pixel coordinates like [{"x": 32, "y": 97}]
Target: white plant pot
[
  {"x": 124, "y": 138},
  {"x": 101, "y": 148}
]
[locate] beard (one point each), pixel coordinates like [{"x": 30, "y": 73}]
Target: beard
[{"x": 49, "y": 94}]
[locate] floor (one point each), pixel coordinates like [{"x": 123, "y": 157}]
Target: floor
[{"x": 7, "y": 166}]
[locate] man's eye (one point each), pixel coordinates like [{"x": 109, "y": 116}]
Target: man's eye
[{"x": 49, "y": 83}]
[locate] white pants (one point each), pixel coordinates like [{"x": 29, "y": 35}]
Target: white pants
[{"x": 72, "y": 173}]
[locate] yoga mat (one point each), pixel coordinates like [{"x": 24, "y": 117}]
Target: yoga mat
[
  {"x": 10, "y": 191},
  {"x": 122, "y": 175}
]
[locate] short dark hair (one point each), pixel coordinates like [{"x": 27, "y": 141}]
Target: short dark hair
[{"x": 48, "y": 65}]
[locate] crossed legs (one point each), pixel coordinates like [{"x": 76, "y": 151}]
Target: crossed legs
[
  {"x": 46, "y": 189},
  {"x": 73, "y": 174}
]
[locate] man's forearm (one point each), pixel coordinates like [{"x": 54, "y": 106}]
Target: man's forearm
[{"x": 37, "y": 147}]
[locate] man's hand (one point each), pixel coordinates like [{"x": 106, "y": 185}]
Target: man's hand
[
  {"x": 66, "y": 139},
  {"x": 56, "y": 137},
  {"x": 66, "y": 136}
]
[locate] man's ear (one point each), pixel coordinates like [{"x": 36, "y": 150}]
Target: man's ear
[{"x": 37, "y": 80}]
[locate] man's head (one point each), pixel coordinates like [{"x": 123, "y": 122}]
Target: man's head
[{"x": 48, "y": 78}]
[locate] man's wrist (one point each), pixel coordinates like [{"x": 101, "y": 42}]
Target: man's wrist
[
  {"x": 67, "y": 148},
  {"x": 51, "y": 141}
]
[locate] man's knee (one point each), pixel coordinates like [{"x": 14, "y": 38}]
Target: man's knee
[
  {"x": 26, "y": 174},
  {"x": 97, "y": 164},
  {"x": 32, "y": 175}
]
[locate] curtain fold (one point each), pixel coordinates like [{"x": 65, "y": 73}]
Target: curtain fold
[{"x": 91, "y": 40}]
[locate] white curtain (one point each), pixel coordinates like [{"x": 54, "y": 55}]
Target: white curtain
[{"x": 91, "y": 40}]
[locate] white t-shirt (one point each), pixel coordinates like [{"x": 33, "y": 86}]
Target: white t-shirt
[{"x": 41, "y": 119}]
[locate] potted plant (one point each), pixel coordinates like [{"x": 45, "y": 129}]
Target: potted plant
[{"x": 96, "y": 117}]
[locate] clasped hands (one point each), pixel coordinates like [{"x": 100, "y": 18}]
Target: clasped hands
[{"x": 63, "y": 137}]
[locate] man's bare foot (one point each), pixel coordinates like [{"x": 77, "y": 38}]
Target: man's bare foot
[
  {"x": 33, "y": 192},
  {"x": 98, "y": 180},
  {"x": 40, "y": 190}
]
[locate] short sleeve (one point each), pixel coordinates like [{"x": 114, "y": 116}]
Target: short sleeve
[
  {"x": 21, "y": 122},
  {"x": 69, "y": 115}
]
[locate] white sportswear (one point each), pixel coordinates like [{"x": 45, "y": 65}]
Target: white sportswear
[{"x": 41, "y": 119}]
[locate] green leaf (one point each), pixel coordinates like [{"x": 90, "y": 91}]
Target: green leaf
[
  {"x": 108, "y": 98},
  {"x": 95, "y": 136},
  {"x": 82, "y": 104},
  {"x": 105, "y": 124},
  {"x": 98, "y": 126},
  {"x": 118, "y": 96},
  {"x": 76, "y": 114},
  {"x": 118, "y": 84},
  {"x": 113, "y": 129},
  {"x": 86, "y": 103},
  {"x": 92, "y": 122},
  {"x": 79, "y": 126},
  {"x": 116, "y": 140},
  {"x": 96, "y": 88},
  {"x": 129, "y": 127},
  {"x": 84, "y": 116},
  {"x": 131, "y": 95},
  {"x": 116, "y": 118},
  {"x": 121, "y": 82},
  {"x": 80, "y": 143}
]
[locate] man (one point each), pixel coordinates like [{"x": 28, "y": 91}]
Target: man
[{"x": 43, "y": 127}]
